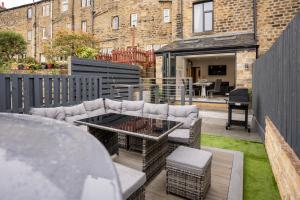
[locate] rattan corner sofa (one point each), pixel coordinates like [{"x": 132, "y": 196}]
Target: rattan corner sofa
[{"x": 187, "y": 135}]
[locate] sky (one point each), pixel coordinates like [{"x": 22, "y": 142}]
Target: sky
[{"x": 14, "y": 3}]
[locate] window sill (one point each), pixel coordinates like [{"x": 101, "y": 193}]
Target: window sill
[{"x": 203, "y": 33}]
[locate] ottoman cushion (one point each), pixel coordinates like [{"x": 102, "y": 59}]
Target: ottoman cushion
[
  {"x": 186, "y": 158},
  {"x": 180, "y": 135},
  {"x": 131, "y": 180}
]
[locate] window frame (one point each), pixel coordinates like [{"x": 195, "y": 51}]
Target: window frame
[
  {"x": 29, "y": 9},
  {"x": 164, "y": 17},
  {"x": 203, "y": 16},
  {"x": 46, "y": 10},
  {"x": 63, "y": 4},
  {"x": 29, "y": 39},
  {"x": 84, "y": 22},
  {"x": 86, "y": 3},
  {"x": 112, "y": 22},
  {"x": 44, "y": 33},
  {"x": 131, "y": 24}
]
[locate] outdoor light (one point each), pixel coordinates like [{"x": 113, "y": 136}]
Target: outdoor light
[{"x": 246, "y": 66}]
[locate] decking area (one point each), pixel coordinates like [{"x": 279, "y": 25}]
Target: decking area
[{"x": 224, "y": 162}]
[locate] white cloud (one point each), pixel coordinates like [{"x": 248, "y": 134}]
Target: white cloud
[{"x": 14, "y": 3}]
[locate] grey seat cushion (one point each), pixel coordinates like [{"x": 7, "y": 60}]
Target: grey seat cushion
[
  {"x": 180, "y": 135},
  {"x": 94, "y": 107},
  {"x": 74, "y": 113},
  {"x": 57, "y": 113},
  {"x": 159, "y": 111},
  {"x": 132, "y": 107},
  {"x": 131, "y": 180},
  {"x": 186, "y": 114},
  {"x": 112, "y": 106},
  {"x": 186, "y": 158}
]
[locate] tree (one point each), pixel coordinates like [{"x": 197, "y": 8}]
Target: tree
[
  {"x": 69, "y": 43},
  {"x": 11, "y": 44}
]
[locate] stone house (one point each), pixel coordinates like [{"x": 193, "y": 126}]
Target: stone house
[{"x": 202, "y": 39}]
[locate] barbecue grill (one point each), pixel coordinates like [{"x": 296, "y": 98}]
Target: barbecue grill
[{"x": 238, "y": 100}]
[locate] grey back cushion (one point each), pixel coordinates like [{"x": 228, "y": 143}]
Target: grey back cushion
[
  {"x": 132, "y": 107},
  {"x": 94, "y": 107},
  {"x": 74, "y": 113},
  {"x": 185, "y": 114},
  {"x": 159, "y": 111},
  {"x": 112, "y": 106},
  {"x": 57, "y": 113}
]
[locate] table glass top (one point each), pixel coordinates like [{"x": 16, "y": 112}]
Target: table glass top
[{"x": 134, "y": 124}]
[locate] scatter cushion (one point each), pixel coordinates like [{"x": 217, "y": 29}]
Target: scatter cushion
[
  {"x": 180, "y": 135},
  {"x": 159, "y": 111},
  {"x": 57, "y": 113},
  {"x": 185, "y": 114},
  {"x": 189, "y": 159},
  {"x": 74, "y": 113},
  {"x": 94, "y": 107},
  {"x": 132, "y": 107},
  {"x": 112, "y": 106},
  {"x": 131, "y": 180}
]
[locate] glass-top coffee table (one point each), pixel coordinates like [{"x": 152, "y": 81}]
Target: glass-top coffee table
[{"x": 148, "y": 135}]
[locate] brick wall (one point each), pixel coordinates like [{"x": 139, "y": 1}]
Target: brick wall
[
  {"x": 285, "y": 164},
  {"x": 272, "y": 18}
]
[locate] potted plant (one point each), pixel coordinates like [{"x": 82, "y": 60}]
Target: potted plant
[{"x": 44, "y": 66}]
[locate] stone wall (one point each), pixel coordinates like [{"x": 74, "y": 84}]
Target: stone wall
[
  {"x": 229, "y": 16},
  {"x": 285, "y": 163},
  {"x": 244, "y": 63},
  {"x": 150, "y": 29},
  {"x": 272, "y": 18}
]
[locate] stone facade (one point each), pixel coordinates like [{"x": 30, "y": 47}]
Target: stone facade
[
  {"x": 244, "y": 63},
  {"x": 285, "y": 163},
  {"x": 272, "y": 18},
  {"x": 150, "y": 30},
  {"x": 229, "y": 16}
]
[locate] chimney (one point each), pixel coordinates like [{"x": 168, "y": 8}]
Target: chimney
[{"x": 2, "y": 5}]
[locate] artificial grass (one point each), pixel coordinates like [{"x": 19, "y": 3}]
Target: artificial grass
[{"x": 259, "y": 182}]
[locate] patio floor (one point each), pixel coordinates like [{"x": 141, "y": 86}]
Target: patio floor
[{"x": 223, "y": 163}]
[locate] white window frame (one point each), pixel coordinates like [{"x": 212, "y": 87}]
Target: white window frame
[
  {"x": 44, "y": 33},
  {"x": 69, "y": 26},
  {"x": 64, "y": 5},
  {"x": 166, "y": 15},
  {"x": 46, "y": 10},
  {"x": 115, "y": 22},
  {"x": 133, "y": 20},
  {"x": 84, "y": 26},
  {"x": 86, "y": 3},
  {"x": 29, "y": 35},
  {"x": 202, "y": 20},
  {"x": 29, "y": 13}
]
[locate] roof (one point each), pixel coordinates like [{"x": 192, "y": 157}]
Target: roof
[{"x": 210, "y": 43}]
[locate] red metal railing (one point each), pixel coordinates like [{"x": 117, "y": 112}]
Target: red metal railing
[{"x": 131, "y": 56}]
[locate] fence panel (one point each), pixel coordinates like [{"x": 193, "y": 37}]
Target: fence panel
[
  {"x": 21, "y": 92},
  {"x": 111, "y": 73},
  {"x": 276, "y": 85}
]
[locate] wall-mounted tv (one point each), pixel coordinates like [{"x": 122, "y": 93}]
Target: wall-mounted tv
[{"x": 217, "y": 70}]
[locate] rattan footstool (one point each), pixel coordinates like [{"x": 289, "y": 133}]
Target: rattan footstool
[{"x": 189, "y": 172}]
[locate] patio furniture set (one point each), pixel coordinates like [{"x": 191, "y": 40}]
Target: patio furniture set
[{"x": 165, "y": 135}]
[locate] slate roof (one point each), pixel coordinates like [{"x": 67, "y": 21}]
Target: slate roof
[{"x": 238, "y": 41}]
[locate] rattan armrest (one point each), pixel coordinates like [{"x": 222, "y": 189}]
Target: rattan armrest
[{"x": 195, "y": 133}]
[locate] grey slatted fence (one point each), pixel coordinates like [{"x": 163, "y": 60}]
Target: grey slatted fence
[
  {"x": 18, "y": 93},
  {"x": 276, "y": 85},
  {"x": 111, "y": 73}
]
